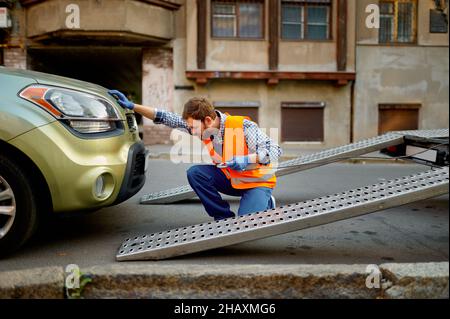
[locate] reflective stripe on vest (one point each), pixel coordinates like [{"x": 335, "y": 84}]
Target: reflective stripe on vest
[{"x": 234, "y": 144}]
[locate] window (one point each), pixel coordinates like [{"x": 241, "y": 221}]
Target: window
[
  {"x": 398, "y": 117},
  {"x": 398, "y": 21},
  {"x": 302, "y": 121},
  {"x": 308, "y": 20},
  {"x": 249, "y": 109},
  {"x": 237, "y": 19}
]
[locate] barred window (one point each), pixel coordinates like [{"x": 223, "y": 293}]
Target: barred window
[
  {"x": 308, "y": 19},
  {"x": 398, "y": 21},
  {"x": 237, "y": 19}
]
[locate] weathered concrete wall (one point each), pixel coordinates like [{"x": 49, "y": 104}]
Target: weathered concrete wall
[
  {"x": 111, "y": 15},
  {"x": 245, "y": 54},
  {"x": 336, "y": 113},
  {"x": 157, "y": 90},
  {"x": 409, "y": 74},
  {"x": 15, "y": 53},
  {"x": 184, "y": 88},
  {"x": 320, "y": 55},
  {"x": 423, "y": 28},
  {"x": 252, "y": 55},
  {"x": 308, "y": 56},
  {"x": 401, "y": 74}
]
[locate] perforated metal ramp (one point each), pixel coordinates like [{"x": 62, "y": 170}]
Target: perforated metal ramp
[
  {"x": 307, "y": 162},
  {"x": 284, "y": 219}
]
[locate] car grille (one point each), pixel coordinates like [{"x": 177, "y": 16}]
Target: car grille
[
  {"x": 131, "y": 121},
  {"x": 139, "y": 165}
]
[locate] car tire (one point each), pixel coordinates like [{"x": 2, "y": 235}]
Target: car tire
[{"x": 18, "y": 198}]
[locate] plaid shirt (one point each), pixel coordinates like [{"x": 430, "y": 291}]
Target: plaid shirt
[{"x": 257, "y": 141}]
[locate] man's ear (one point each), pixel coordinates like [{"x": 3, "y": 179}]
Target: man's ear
[{"x": 208, "y": 121}]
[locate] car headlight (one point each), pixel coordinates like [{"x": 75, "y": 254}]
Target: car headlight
[{"x": 85, "y": 113}]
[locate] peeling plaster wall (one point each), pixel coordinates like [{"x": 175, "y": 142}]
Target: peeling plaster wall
[
  {"x": 157, "y": 90},
  {"x": 101, "y": 15},
  {"x": 410, "y": 74},
  {"x": 253, "y": 55},
  {"x": 336, "y": 112}
]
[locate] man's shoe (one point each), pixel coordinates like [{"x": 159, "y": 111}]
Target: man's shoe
[{"x": 272, "y": 203}]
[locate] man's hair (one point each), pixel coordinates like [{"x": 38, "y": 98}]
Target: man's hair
[{"x": 198, "y": 108}]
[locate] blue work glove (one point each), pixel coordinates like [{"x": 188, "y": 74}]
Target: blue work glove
[
  {"x": 122, "y": 99},
  {"x": 238, "y": 163}
]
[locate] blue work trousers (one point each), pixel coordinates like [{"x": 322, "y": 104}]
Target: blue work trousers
[{"x": 208, "y": 182}]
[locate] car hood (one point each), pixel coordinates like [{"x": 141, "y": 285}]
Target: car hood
[
  {"x": 61, "y": 81},
  {"x": 56, "y": 80}
]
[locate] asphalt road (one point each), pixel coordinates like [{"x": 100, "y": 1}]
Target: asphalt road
[{"x": 417, "y": 232}]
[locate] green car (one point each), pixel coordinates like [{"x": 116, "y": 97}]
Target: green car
[{"x": 65, "y": 146}]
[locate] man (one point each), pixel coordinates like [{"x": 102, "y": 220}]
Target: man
[{"x": 243, "y": 154}]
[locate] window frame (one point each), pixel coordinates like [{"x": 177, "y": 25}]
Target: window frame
[
  {"x": 414, "y": 27},
  {"x": 304, "y": 5},
  {"x": 262, "y": 4}
]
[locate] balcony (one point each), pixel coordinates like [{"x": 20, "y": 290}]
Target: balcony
[{"x": 107, "y": 22}]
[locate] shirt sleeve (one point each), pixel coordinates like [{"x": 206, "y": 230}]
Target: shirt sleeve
[
  {"x": 258, "y": 142},
  {"x": 171, "y": 120}
]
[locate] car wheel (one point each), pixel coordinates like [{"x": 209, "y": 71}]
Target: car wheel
[{"x": 18, "y": 207}]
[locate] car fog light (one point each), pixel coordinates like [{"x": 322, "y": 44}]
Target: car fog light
[
  {"x": 103, "y": 187},
  {"x": 100, "y": 186}
]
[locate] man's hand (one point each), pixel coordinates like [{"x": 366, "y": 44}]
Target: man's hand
[
  {"x": 238, "y": 163},
  {"x": 122, "y": 99}
]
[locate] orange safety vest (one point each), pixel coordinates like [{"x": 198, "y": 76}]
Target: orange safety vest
[{"x": 234, "y": 144}]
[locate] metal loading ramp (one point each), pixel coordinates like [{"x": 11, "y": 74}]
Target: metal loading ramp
[
  {"x": 284, "y": 219},
  {"x": 308, "y": 161}
]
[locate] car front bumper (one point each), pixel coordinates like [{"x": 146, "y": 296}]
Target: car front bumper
[
  {"x": 134, "y": 178},
  {"x": 72, "y": 166}
]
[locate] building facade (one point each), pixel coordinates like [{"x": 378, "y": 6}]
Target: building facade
[
  {"x": 402, "y": 80},
  {"x": 315, "y": 70}
]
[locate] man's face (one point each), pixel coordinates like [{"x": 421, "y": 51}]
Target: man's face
[{"x": 198, "y": 127}]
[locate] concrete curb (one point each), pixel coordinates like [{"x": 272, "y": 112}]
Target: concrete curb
[
  {"x": 424, "y": 281},
  {"x": 155, "y": 280},
  {"x": 42, "y": 283},
  {"x": 230, "y": 281}
]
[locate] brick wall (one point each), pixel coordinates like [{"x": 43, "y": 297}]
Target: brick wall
[
  {"x": 157, "y": 134},
  {"x": 157, "y": 90},
  {"x": 15, "y": 58}
]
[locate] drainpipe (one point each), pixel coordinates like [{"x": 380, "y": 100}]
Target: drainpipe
[{"x": 352, "y": 111}]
